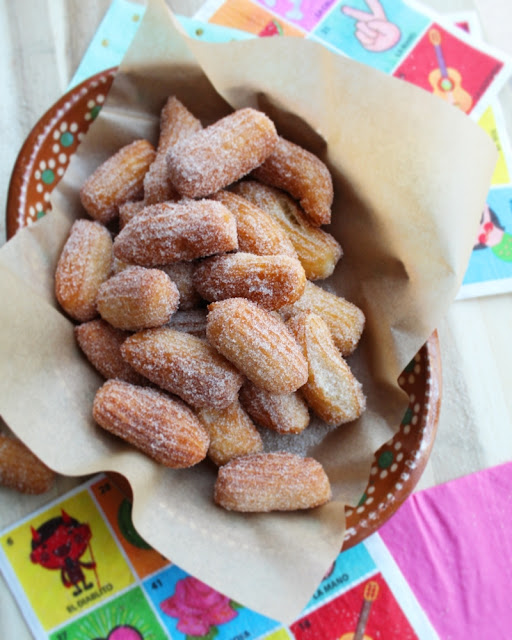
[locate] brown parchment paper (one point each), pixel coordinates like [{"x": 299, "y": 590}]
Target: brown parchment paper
[{"x": 411, "y": 175}]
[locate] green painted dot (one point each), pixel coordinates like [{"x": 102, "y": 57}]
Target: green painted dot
[
  {"x": 66, "y": 139},
  {"x": 446, "y": 84},
  {"x": 47, "y": 176},
  {"x": 95, "y": 110},
  {"x": 385, "y": 459},
  {"x": 363, "y": 499},
  {"x": 40, "y": 214},
  {"x": 199, "y": 32},
  {"x": 407, "y": 416}
]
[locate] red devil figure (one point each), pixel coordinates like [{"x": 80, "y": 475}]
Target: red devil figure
[{"x": 58, "y": 544}]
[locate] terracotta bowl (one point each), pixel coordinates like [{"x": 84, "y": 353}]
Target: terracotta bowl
[{"x": 398, "y": 464}]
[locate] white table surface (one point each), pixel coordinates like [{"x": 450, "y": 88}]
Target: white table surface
[{"x": 41, "y": 44}]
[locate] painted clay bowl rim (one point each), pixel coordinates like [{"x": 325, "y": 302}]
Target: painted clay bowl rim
[{"x": 418, "y": 435}]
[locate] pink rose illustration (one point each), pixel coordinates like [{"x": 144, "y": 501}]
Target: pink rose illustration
[{"x": 197, "y": 606}]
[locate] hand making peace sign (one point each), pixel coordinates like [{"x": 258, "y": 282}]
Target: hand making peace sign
[{"x": 373, "y": 30}]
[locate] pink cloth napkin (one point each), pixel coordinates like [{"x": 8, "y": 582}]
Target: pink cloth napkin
[{"x": 453, "y": 544}]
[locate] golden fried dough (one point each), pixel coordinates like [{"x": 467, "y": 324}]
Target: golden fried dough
[
  {"x": 271, "y": 281},
  {"x": 264, "y": 482},
  {"x": 303, "y": 176},
  {"x": 182, "y": 274},
  {"x": 213, "y": 158},
  {"x": 316, "y": 249},
  {"x": 331, "y": 391},
  {"x": 138, "y": 298},
  {"x": 101, "y": 344},
  {"x": 231, "y": 431},
  {"x": 257, "y": 231},
  {"x": 258, "y": 343},
  {"x": 83, "y": 266},
  {"x": 175, "y": 232},
  {"x": 21, "y": 470},
  {"x": 184, "y": 365},
  {"x": 281, "y": 412},
  {"x": 119, "y": 179},
  {"x": 129, "y": 210},
  {"x": 162, "y": 427},
  {"x": 344, "y": 319}
]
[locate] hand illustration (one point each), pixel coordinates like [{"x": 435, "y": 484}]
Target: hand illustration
[{"x": 373, "y": 30}]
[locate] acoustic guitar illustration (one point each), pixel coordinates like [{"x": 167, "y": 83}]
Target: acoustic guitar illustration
[
  {"x": 371, "y": 591},
  {"x": 446, "y": 82}
]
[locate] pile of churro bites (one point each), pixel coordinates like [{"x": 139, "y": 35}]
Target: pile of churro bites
[{"x": 192, "y": 283}]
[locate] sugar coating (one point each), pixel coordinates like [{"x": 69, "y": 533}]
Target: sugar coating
[
  {"x": 182, "y": 273},
  {"x": 258, "y": 344},
  {"x": 175, "y": 232},
  {"x": 129, "y": 210},
  {"x": 137, "y": 298},
  {"x": 191, "y": 321},
  {"x": 117, "y": 180},
  {"x": 317, "y": 250},
  {"x": 344, "y": 319},
  {"x": 21, "y": 470},
  {"x": 222, "y": 153},
  {"x": 83, "y": 266},
  {"x": 184, "y": 365},
  {"x": 303, "y": 176},
  {"x": 258, "y": 232},
  {"x": 281, "y": 412},
  {"x": 265, "y": 482},
  {"x": 332, "y": 390},
  {"x": 101, "y": 344},
  {"x": 176, "y": 123},
  {"x": 271, "y": 281},
  {"x": 163, "y": 428},
  {"x": 232, "y": 433}
]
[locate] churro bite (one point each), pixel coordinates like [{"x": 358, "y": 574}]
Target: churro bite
[
  {"x": 21, "y": 470},
  {"x": 137, "y": 298},
  {"x": 129, "y": 210},
  {"x": 271, "y": 281},
  {"x": 317, "y": 250},
  {"x": 331, "y": 391},
  {"x": 101, "y": 344},
  {"x": 118, "y": 180},
  {"x": 222, "y": 153},
  {"x": 265, "y": 482},
  {"x": 83, "y": 266},
  {"x": 185, "y": 366},
  {"x": 304, "y": 176},
  {"x": 176, "y": 123},
  {"x": 163, "y": 428},
  {"x": 281, "y": 412},
  {"x": 175, "y": 232},
  {"x": 258, "y": 343},
  {"x": 232, "y": 433},
  {"x": 344, "y": 319},
  {"x": 257, "y": 231}
]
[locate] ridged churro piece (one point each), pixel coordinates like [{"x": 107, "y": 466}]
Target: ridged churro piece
[
  {"x": 117, "y": 180},
  {"x": 257, "y": 232},
  {"x": 264, "y": 482},
  {"x": 331, "y": 391},
  {"x": 303, "y": 176},
  {"x": 138, "y": 298},
  {"x": 163, "y": 428},
  {"x": 258, "y": 343},
  {"x": 271, "y": 281},
  {"x": 192, "y": 321},
  {"x": 222, "y": 153},
  {"x": 101, "y": 344},
  {"x": 344, "y": 319},
  {"x": 176, "y": 123},
  {"x": 83, "y": 266},
  {"x": 281, "y": 412},
  {"x": 317, "y": 250},
  {"x": 21, "y": 470},
  {"x": 232, "y": 433},
  {"x": 177, "y": 232},
  {"x": 182, "y": 274},
  {"x": 129, "y": 210},
  {"x": 184, "y": 365}
]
